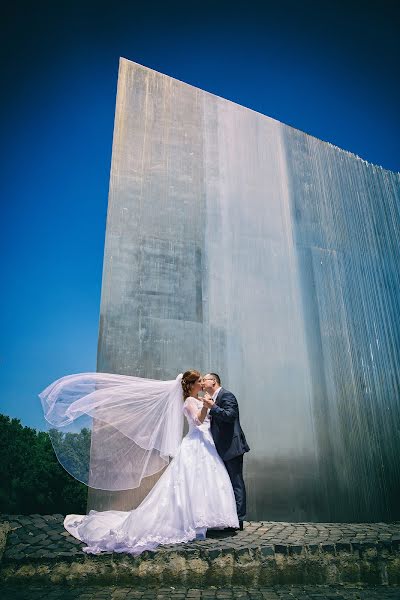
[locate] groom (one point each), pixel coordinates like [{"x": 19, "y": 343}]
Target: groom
[{"x": 228, "y": 436}]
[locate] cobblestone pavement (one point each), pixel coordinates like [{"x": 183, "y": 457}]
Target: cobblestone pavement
[
  {"x": 299, "y": 592},
  {"x": 44, "y": 537}
]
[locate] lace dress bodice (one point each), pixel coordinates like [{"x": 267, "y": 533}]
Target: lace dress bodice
[{"x": 191, "y": 408}]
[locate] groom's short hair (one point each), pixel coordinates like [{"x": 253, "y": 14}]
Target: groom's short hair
[{"x": 216, "y": 377}]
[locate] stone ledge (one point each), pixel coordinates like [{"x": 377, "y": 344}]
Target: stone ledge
[
  {"x": 4, "y": 529},
  {"x": 38, "y": 549}
]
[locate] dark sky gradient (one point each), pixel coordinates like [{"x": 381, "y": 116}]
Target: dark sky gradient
[{"x": 330, "y": 69}]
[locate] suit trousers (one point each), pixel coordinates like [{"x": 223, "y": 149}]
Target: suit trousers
[{"x": 235, "y": 472}]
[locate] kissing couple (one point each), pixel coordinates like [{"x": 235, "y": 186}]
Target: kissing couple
[{"x": 136, "y": 429}]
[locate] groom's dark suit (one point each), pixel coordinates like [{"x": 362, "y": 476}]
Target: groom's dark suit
[{"x": 231, "y": 443}]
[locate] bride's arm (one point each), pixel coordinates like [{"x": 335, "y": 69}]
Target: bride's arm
[{"x": 198, "y": 416}]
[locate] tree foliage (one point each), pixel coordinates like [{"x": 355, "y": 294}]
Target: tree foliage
[{"x": 31, "y": 478}]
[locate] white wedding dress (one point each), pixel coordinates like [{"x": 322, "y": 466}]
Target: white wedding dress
[{"x": 194, "y": 493}]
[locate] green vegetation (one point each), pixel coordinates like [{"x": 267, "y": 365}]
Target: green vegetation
[{"x": 31, "y": 478}]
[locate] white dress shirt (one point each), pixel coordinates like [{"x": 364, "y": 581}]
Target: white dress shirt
[{"x": 215, "y": 394}]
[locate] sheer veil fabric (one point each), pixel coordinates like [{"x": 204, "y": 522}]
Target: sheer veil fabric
[{"x": 109, "y": 430}]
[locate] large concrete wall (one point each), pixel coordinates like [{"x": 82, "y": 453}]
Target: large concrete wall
[{"x": 238, "y": 244}]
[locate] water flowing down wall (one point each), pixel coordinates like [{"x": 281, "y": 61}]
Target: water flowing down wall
[{"x": 243, "y": 246}]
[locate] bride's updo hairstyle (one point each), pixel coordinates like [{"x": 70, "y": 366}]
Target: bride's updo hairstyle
[{"x": 188, "y": 379}]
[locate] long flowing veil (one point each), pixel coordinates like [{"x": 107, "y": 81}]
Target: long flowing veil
[{"x": 109, "y": 431}]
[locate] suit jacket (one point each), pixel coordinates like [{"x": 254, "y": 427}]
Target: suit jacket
[{"x": 225, "y": 426}]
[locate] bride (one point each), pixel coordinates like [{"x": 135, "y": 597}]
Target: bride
[{"x": 136, "y": 426}]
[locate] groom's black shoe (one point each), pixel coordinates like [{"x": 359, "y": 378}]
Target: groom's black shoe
[{"x": 240, "y": 528}]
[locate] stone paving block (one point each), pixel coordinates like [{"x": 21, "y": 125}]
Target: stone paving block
[
  {"x": 396, "y": 542},
  {"x": 267, "y": 550},
  {"x": 328, "y": 547},
  {"x": 343, "y": 546},
  {"x": 281, "y": 548}
]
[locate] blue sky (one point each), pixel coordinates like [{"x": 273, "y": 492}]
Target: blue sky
[{"x": 329, "y": 69}]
